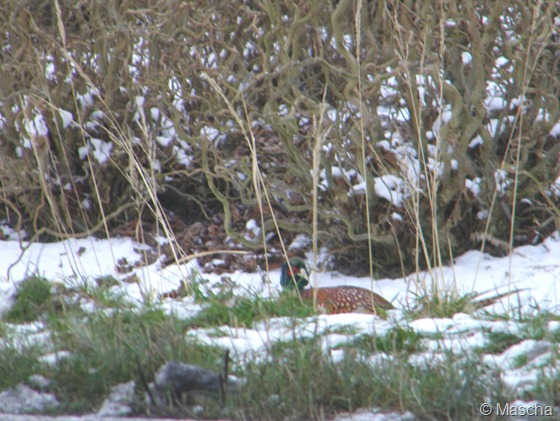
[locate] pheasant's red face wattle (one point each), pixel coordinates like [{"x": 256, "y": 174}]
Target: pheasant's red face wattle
[{"x": 293, "y": 271}]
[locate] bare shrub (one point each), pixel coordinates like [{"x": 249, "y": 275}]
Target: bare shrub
[{"x": 443, "y": 113}]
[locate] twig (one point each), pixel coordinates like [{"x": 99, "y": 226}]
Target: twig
[
  {"x": 144, "y": 382},
  {"x": 224, "y": 377}
]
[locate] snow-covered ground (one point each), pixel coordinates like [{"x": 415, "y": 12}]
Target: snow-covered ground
[{"x": 532, "y": 271}]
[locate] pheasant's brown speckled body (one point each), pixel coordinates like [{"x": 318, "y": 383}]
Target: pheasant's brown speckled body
[
  {"x": 333, "y": 300},
  {"x": 347, "y": 299}
]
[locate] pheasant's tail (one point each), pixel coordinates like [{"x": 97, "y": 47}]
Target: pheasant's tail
[
  {"x": 382, "y": 303},
  {"x": 494, "y": 299}
]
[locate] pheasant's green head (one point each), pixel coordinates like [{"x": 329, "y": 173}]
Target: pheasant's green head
[{"x": 294, "y": 274}]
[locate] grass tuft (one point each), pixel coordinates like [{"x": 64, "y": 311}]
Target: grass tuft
[
  {"x": 17, "y": 364},
  {"x": 243, "y": 311},
  {"x": 33, "y": 298},
  {"x": 396, "y": 341},
  {"x": 440, "y": 304}
]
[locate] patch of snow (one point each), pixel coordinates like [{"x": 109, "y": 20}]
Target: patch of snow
[
  {"x": 374, "y": 415},
  {"x": 87, "y": 99},
  {"x": 67, "y": 118},
  {"x": 182, "y": 157},
  {"x": 182, "y": 310},
  {"x": 118, "y": 403},
  {"x": 389, "y": 187},
  {"x": 431, "y": 326},
  {"x": 37, "y": 126},
  {"x": 24, "y": 336},
  {"x": 528, "y": 349},
  {"x": 454, "y": 165},
  {"x": 495, "y": 103},
  {"x": 38, "y": 381},
  {"x": 22, "y": 399},
  {"x": 53, "y": 359},
  {"x": 253, "y": 230},
  {"x": 501, "y": 61},
  {"x": 473, "y": 185},
  {"x": 502, "y": 181},
  {"x": 300, "y": 242},
  {"x": 101, "y": 150},
  {"x": 482, "y": 215},
  {"x": 209, "y": 132},
  {"x": 442, "y": 119},
  {"x": 457, "y": 345},
  {"x": 555, "y": 131},
  {"x": 11, "y": 234},
  {"x": 466, "y": 57}
]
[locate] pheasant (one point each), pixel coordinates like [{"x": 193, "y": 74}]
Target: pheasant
[{"x": 333, "y": 300}]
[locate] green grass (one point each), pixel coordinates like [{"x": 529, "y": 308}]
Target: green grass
[
  {"x": 33, "y": 298},
  {"x": 534, "y": 326},
  {"x": 298, "y": 382},
  {"x": 301, "y": 382},
  {"x": 442, "y": 304},
  {"x": 296, "y": 379},
  {"x": 396, "y": 341},
  {"x": 17, "y": 365},
  {"x": 109, "y": 348},
  {"x": 106, "y": 347},
  {"x": 498, "y": 342},
  {"x": 101, "y": 293},
  {"x": 547, "y": 386},
  {"x": 244, "y": 311}
]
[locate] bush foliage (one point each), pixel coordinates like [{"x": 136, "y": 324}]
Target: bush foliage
[{"x": 223, "y": 112}]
